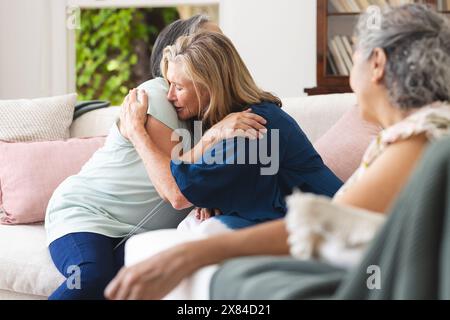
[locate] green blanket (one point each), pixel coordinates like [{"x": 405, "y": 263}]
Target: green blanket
[{"x": 409, "y": 258}]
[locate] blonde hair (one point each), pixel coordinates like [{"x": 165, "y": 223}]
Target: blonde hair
[{"x": 212, "y": 62}]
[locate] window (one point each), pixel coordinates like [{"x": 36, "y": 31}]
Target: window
[{"x": 109, "y": 42}]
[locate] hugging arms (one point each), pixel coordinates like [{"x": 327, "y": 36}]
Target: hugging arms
[{"x": 155, "y": 142}]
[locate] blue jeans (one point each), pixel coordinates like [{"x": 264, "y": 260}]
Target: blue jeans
[{"x": 89, "y": 263}]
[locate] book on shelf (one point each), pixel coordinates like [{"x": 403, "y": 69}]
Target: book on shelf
[
  {"x": 353, "y": 6},
  {"x": 348, "y": 46},
  {"x": 364, "y": 4},
  {"x": 339, "y": 56},
  {"x": 333, "y": 69},
  {"x": 443, "y": 5},
  {"x": 338, "y": 5},
  {"x": 343, "y": 53},
  {"x": 358, "y": 6}
]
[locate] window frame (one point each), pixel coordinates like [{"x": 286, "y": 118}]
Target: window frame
[{"x": 63, "y": 53}]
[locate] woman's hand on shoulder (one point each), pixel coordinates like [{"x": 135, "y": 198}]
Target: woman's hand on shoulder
[
  {"x": 133, "y": 115},
  {"x": 239, "y": 124}
]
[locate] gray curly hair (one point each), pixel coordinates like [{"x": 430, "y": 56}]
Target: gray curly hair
[{"x": 416, "y": 40}]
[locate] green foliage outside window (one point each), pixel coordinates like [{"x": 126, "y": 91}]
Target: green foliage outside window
[{"x": 109, "y": 61}]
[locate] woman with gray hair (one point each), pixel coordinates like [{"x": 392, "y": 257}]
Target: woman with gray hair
[{"x": 401, "y": 77}]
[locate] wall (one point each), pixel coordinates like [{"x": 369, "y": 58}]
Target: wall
[
  {"x": 24, "y": 39},
  {"x": 277, "y": 40}
]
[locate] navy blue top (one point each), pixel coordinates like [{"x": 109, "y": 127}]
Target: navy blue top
[{"x": 242, "y": 190}]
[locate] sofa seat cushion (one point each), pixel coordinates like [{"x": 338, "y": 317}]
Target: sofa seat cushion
[
  {"x": 25, "y": 263},
  {"x": 95, "y": 123}
]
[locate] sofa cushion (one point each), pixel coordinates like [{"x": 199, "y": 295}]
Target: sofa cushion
[
  {"x": 343, "y": 145},
  {"x": 317, "y": 114},
  {"x": 94, "y": 123},
  {"x": 36, "y": 119},
  {"x": 25, "y": 263},
  {"x": 30, "y": 172}
]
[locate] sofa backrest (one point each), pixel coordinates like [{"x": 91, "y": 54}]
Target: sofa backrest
[
  {"x": 94, "y": 123},
  {"x": 315, "y": 115}
]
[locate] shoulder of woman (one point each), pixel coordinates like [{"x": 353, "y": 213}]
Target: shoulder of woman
[
  {"x": 154, "y": 84},
  {"x": 411, "y": 146},
  {"x": 159, "y": 107}
]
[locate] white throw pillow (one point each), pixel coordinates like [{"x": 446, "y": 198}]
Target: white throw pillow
[
  {"x": 38, "y": 119},
  {"x": 323, "y": 230}
]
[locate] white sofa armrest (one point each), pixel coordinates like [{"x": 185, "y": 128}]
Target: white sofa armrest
[{"x": 94, "y": 123}]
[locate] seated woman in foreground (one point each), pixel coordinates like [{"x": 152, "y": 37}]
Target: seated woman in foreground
[{"x": 401, "y": 77}]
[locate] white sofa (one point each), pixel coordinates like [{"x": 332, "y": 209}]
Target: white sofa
[{"x": 26, "y": 270}]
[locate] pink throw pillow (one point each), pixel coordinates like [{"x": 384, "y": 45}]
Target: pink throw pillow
[
  {"x": 30, "y": 172},
  {"x": 343, "y": 145}
]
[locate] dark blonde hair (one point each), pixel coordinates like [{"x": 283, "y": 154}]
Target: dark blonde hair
[
  {"x": 212, "y": 62},
  {"x": 169, "y": 36}
]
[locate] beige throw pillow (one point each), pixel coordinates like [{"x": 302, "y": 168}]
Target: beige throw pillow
[
  {"x": 323, "y": 230},
  {"x": 26, "y": 120},
  {"x": 343, "y": 145}
]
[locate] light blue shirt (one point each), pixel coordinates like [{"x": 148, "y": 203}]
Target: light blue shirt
[{"x": 112, "y": 193}]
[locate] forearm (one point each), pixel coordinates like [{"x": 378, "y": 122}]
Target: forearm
[
  {"x": 266, "y": 239},
  {"x": 157, "y": 165},
  {"x": 193, "y": 155}
]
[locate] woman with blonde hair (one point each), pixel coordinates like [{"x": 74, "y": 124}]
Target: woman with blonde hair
[
  {"x": 91, "y": 213},
  {"x": 209, "y": 81}
]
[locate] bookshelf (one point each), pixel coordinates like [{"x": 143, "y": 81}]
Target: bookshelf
[{"x": 336, "y": 20}]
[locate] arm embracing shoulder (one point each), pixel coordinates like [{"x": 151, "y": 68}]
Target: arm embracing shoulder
[
  {"x": 160, "y": 134},
  {"x": 155, "y": 148}
]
